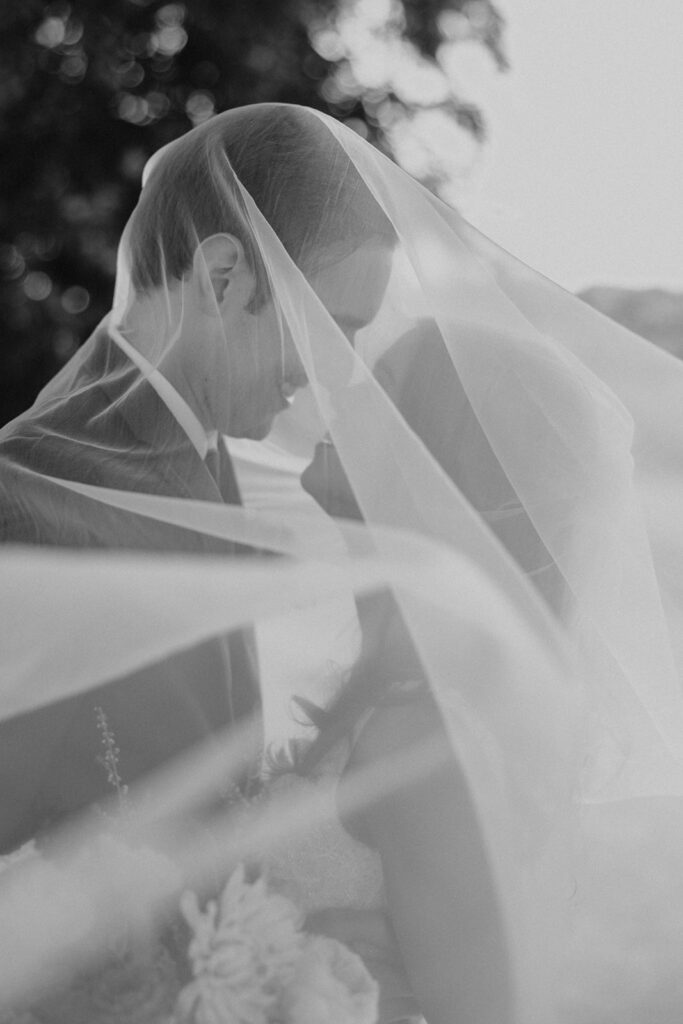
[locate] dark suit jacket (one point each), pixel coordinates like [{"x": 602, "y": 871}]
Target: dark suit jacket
[{"x": 49, "y": 759}]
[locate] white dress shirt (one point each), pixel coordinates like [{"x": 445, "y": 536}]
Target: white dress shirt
[{"x": 202, "y": 440}]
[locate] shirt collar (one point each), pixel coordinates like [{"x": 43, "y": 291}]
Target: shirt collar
[{"x": 202, "y": 440}]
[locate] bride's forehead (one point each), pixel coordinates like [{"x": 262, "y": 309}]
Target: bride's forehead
[{"x": 368, "y": 256}]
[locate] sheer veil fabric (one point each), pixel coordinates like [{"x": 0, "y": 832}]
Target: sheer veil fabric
[{"x": 514, "y": 464}]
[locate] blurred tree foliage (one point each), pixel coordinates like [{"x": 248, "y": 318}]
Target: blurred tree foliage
[{"x": 90, "y": 88}]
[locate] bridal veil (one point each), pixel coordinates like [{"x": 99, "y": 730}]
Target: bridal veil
[{"x": 504, "y": 459}]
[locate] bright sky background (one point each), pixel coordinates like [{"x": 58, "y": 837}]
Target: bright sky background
[{"x": 583, "y": 176}]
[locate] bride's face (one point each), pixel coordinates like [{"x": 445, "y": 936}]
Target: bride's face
[
  {"x": 263, "y": 367},
  {"x": 352, "y": 288}
]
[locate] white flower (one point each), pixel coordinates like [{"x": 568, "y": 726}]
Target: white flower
[
  {"x": 243, "y": 953},
  {"x": 330, "y": 984}
]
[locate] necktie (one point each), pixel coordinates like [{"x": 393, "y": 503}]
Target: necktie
[{"x": 219, "y": 465}]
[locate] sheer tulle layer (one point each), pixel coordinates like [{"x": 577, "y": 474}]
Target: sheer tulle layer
[
  {"x": 154, "y": 606},
  {"x": 516, "y": 460}
]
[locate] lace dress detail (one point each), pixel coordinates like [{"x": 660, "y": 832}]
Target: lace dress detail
[{"x": 325, "y": 867}]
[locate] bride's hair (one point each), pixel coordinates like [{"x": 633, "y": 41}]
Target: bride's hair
[
  {"x": 373, "y": 682},
  {"x": 292, "y": 167}
]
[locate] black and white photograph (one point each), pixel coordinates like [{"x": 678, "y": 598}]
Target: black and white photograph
[{"x": 341, "y": 510}]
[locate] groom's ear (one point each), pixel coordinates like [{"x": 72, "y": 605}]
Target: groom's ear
[{"x": 219, "y": 264}]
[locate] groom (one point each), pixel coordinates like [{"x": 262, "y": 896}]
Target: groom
[{"x": 123, "y": 420}]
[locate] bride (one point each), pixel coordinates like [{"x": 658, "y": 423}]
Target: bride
[{"x": 516, "y": 566}]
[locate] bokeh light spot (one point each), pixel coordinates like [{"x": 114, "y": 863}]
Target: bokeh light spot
[
  {"x": 158, "y": 104},
  {"x": 200, "y": 106},
  {"x": 131, "y": 73},
  {"x": 171, "y": 14},
  {"x": 328, "y": 44},
  {"x": 133, "y": 109},
  {"x": 74, "y": 67},
  {"x": 51, "y": 32},
  {"x": 73, "y": 32},
  {"x": 170, "y": 36},
  {"x": 12, "y": 264},
  {"x": 169, "y": 40},
  {"x": 75, "y": 300},
  {"x": 37, "y": 285}
]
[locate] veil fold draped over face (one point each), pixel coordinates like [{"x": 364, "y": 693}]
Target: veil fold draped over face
[{"x": 514, "y": 461}]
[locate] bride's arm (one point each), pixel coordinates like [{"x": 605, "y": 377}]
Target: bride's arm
[{"x": 439, "y": 887}]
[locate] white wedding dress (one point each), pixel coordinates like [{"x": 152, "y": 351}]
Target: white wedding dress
[{"x": 325, "y": 867}]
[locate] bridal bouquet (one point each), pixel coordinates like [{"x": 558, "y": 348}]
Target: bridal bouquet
[{"x": 248, "y": 961}]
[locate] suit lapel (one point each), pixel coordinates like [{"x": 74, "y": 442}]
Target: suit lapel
[{"x": 172, "y": 464}]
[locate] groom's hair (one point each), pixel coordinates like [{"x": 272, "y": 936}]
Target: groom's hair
[{"x": 289, "y": 162}]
